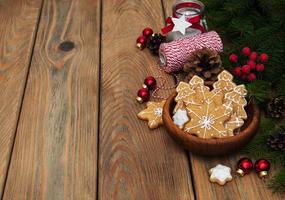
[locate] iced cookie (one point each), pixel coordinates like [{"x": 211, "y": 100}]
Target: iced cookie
[
  {"x": 225, "y": 82},
  {"x": 184, "y": 93},
  {"x": 237, "y": 97},
  {"x": 233, "y": 123},
  {"x": 153, "y": 114},
  {"x": 180, "y": 118},
  {"x": 207, "y": 120},
  {"x": 220, "y": 174}
]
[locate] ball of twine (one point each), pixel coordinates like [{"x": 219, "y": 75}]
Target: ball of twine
[{"x": 174, "y": 54}]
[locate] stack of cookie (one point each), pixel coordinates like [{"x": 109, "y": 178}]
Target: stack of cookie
[{"x": 216, "y": 113}]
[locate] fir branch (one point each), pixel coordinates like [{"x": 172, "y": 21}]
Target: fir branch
[{"x": 277, "y": 183}]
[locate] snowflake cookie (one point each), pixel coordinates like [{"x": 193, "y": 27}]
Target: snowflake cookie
[
  {"x": 153, "y": 114},
  {"x": 180, "y": 118},
  {"x": 207, "y": 120},
  {"x": 220, "y": 174}
]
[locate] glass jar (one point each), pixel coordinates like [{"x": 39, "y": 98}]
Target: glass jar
[{"x": 193, "y": 10}]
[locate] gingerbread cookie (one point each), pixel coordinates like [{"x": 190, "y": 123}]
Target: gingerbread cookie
[
  {"x": 237, "y": 97},
  {"x": 220, "y": 174},
  {"x": 153, "y": 114},
  {"x": 183, "y": 90},
  {"x": 185, "y": 93},
  {"x": 207, "y": 120},
  {"x": 225, "y": 82},
  {"x": 202, "y": 92},
  {"x": 180, "y": 118},
  {"x": 233, "y": 123}
]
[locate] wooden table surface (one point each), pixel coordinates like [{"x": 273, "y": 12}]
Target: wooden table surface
[{"x": 69, "y": 72}]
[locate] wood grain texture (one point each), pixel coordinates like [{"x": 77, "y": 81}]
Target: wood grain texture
[
  {"x": 18, "y": 23},
  {"x": 246, "y": 188},
  {"x": 135, "y": 163},
  {"x": 55, "y": 151}
]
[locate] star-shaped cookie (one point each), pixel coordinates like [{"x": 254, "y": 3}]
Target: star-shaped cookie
[
  {"x": 180, "y": 118},
  {"x": 153, "y": 114},
  {"x": 220, "y": 174}
]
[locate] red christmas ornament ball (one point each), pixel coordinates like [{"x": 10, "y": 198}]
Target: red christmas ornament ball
[
  {"x": 252, "y": 64},
  {"x": 262, "y": 166},
  {"x": 143, "y": 95},
  {"x": 141, "y": 42},
  {"x": 253, "y": 56},
  {"x": 245, "y": 69},
  {"x": 246, "y": 51},
  {"x": 150, "y": 83},
  {"x": 147, "y": 32},
  {"x": 237, "y": 71},
  {"x": 244, "y": 166},
  {"x": 251, "y": 77},
  {"x": 260, "y": 67},
  {"x": 233, "y": 58},
  {"x": 263, "y": 57}
]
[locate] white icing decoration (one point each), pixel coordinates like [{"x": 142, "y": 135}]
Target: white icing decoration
[{"x": 158, "y": 112}]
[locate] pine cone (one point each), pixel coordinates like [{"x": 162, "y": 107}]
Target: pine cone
[
  {"x": 205, "y": 63},
  {"x": 276, "y": 107},
  {"x": 154, "y": 42},
  {"x": 277, "y": 141}
]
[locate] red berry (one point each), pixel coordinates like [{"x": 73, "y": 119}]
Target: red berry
[
  {"x": 233, "y": 58},
  {"x": 251, "y": 77},
  {"x": 263, "y": 57},
  {"x": 246, "y": 51},
  {"x": 252, "y": 64},
  {"x": 245, "y": 69},
  {"x": 253, "y": 56},
  {"x": 260, "y": 67},
  {"x": 147, "y": 32},
  {"x": 141, "y": 42},
  {"x": 237, "y": 71}
]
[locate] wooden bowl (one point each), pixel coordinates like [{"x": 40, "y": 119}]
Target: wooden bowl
[{"x": 211, "y": 147}]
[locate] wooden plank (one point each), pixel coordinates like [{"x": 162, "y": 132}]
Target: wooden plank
[
  {"x": 135, "y": 163},
  {"x": 247, "y": 188},
  {"x": 18, "y": 24},
  {"x": 55, "y": 151}
]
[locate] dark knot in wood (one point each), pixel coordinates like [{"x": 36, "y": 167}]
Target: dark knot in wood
[{"x": 66, "y": 46}]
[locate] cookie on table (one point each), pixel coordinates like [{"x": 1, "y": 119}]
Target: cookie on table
[
  {"x": 220, "y": 174},
  {"x": 152, "y": 114}
]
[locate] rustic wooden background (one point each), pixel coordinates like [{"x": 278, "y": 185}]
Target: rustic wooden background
[{"x": 68, "y": 126}]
